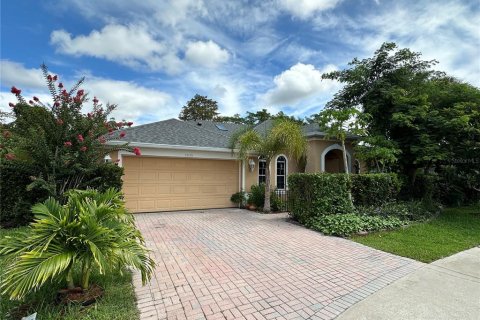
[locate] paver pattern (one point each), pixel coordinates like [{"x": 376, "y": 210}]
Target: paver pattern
[{"x": 236, "y": 264}]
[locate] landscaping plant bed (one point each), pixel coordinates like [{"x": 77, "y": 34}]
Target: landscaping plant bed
[{"x": 80, "y": 296}]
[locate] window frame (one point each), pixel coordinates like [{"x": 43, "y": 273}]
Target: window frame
[
  {"x": 285, "y": 187},
  {"x": 258, "y": 172}
]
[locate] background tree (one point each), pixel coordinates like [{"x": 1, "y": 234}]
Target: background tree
[
  {"x": 430, "y": 117},
  {"x": 378, "y": 153},
  {"x": 285, "y": 136},
  {"x": 199, "y": 108},
  {"x": 260, "y": 116},
  {"x": 236, "y": 118},
  {"x": 339, "y": 124}
]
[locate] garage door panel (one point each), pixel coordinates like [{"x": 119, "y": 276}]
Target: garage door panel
[
  {"x": 146, "y": 204},
  {"x": 130, "y": 190},
  {"x": 146, "y": 175},
  {"x": 166, "y": 184},
  {"x": 148, "y": 190},
  {"x": 180, "y": 189},
  {"x": 179, "y": 177}
]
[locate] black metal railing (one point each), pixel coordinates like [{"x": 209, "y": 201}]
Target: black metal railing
[{"x": 281, "y": 201}]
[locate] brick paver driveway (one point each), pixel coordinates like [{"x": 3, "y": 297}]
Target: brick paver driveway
[{"x": 236, "y": 264}]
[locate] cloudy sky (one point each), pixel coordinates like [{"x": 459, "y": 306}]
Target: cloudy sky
[{"x": 150, "y": 57}]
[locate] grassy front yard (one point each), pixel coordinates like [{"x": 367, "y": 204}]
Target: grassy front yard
[
  {"x": 117, "y": 303},
  {"x": 455, "y": 230}
]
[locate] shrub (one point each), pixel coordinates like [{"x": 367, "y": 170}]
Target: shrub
[
  {"x": 68, "y": 144},
  {"x": 405, "y": 210},
  {"x": 257, "y": 197},
  {"x": 19, "y": 193},
  {"x": 347, "y": 224},
  {"x": 15, "y": 200},
  {"x": 318, "y": 194},
  {"x": 103, "y": 177},
  {"x": 92, "y": 231},
  {"x": 375, "y": 189},
  {"x": 426, "y": 187},
  {"x": 239, "y": 198}
]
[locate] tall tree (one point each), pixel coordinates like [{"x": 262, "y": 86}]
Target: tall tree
[
  {"x": 199, "y": 108},
  {"x": 338, "y": 124},
  {"x": 421, "y": 111},
  {"x": 285, "y": 136},
  {"x": 260, "y": 116},
  {"x": 236, "y": 118}
]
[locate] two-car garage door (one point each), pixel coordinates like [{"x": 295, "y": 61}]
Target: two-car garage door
[{"x": 166, "y": 184}]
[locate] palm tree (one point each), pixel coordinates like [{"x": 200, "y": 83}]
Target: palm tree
[
  {"x": 283, "y": 136},
  {"x": 92, "y": 230}
]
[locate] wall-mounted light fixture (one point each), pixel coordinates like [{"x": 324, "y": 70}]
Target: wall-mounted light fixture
[
  {"x": 251, "y": 164},
  {"x": 107, "y": 158}
]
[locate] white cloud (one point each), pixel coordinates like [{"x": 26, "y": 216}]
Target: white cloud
[
  {"x": 135, "y": 102},
  {"x": 131, "y": 45},
  {"x": 299, "y": 82},
  {"x": 448, "y": 33},
  {"x": 206, "y": 54},
  {"x": 304, "y": 9},
  {"x": 15, "y": 74}
]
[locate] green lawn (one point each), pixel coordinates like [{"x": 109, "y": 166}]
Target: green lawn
[
  {"x": 454, "y": 230},
  {"x": 117, "y": 303}
]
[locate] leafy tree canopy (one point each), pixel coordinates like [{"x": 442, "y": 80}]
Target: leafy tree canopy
[
  {"x": 199, "y": 108},
  {"x": 427, "y": 117}
]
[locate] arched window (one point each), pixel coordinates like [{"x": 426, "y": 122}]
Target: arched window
[
  {"x": 262, "y": 167},
  {"x": 281, "y": 172}
]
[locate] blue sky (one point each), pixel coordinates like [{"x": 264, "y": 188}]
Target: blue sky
[{"x": 151, "y": 57}]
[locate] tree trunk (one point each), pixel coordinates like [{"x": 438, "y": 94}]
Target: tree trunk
[
  {"x": 266, "y": 204},
  {"x": 70, "y": 283},
  {"x": 85, "y": 275},
  {"x": 345, "y": 163}
]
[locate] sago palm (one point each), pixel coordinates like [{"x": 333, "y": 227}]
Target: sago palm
[
  {"x": 284, "y": 136},
  {"x": 91, "y": 231}
]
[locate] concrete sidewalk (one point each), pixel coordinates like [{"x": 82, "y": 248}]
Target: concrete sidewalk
[{"x": 445, "y": 289}]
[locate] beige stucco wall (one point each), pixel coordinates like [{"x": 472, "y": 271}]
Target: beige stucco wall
[
  {"x": 251, "y": 178},
  {"x": 315, "y": 149}
]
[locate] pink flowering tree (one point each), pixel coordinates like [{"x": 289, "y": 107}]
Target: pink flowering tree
[{"x": 63, "y": 141}]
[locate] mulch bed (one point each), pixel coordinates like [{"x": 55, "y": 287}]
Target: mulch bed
[{"x": 80, "y": 296}]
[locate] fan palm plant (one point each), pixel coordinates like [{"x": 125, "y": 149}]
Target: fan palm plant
[
  {"x": 93, "y": 230},
  {"x": 283, "y": 136}
]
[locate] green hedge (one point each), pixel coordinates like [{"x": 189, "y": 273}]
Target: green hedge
[
  {"x": 16, "y": 200},
  {"x": 318, "y": 194},
  {"x": 374, "y": 189}
]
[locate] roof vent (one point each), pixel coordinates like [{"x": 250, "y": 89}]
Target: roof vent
[{"x": 221, "y": 127}]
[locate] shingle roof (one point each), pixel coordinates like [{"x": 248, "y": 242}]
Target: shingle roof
[
  {"x": 202, "y": 133},
  {"x": 180, "y": 133}
]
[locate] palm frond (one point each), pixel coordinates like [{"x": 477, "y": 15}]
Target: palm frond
[{"x": 33, "y": 269}]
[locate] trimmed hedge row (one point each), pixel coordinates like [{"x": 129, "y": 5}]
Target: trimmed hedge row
[
  {"x": 374, "y": 189},
  {"x": 318, "y": 194},
  {"x": 315, "y": 195},
  {"x": 16, "y": 201}
]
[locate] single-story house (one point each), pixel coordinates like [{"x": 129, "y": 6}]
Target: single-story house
[{"x": 188, "y": 165}]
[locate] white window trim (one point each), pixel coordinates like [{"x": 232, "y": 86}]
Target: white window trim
[
  {"x": 258, "y": 170},
  {"x": 286, "y": 170},
  {"x": 335, "y": 147}
]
